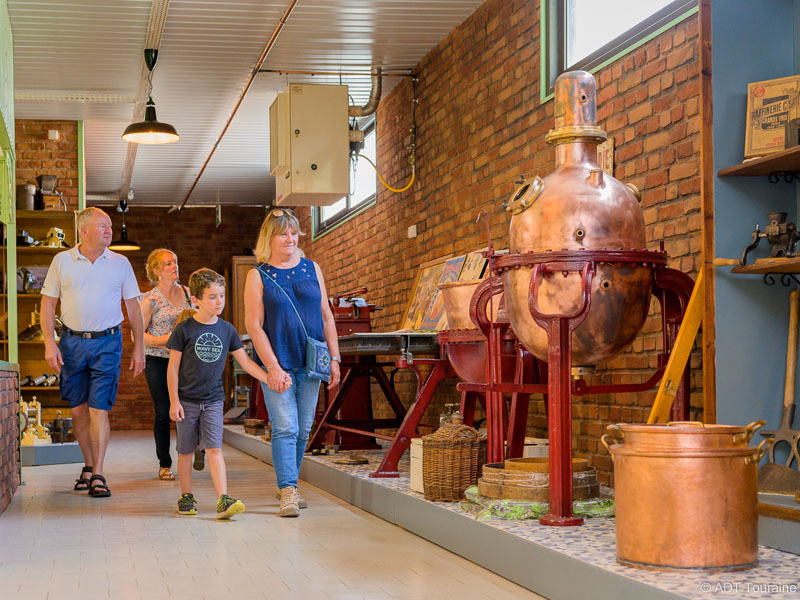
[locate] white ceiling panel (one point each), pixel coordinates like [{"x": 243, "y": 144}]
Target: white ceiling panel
[{"x": 81, "y": 59}]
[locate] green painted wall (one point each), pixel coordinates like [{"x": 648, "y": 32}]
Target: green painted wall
[{"x": 7, "y": 182}]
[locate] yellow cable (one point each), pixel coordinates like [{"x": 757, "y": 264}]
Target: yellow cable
[{"x": 383, "y": 181}]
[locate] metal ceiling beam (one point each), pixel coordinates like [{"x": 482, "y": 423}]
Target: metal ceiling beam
[
  {"x": 271, "y": 42},
  {"x": 155, "y": 30}
]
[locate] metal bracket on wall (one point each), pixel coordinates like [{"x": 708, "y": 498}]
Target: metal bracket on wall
[
  {"x": 788, "y": 176},
  {"x": 786, "y": 279}
]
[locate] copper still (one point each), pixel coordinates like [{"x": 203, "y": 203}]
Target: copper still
[
  {"x": 686, "y": 507},
  {"x": 578, "y": 207},
  {"x": 464, "y": 344}
]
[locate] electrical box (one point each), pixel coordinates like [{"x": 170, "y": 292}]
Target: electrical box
[{"x": 309, "y": 146}]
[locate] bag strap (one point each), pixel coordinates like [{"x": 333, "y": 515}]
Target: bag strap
[
  {"x": 268, "y": 276},
  {"x": 186, "y": 294}
]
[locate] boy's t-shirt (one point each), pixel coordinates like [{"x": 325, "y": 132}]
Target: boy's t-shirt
[{"x": 204, "y": 349}]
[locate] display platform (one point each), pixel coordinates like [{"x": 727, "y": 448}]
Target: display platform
[
  {"x": 51, "y": 454},
  {"x": 556, "y": 562}
]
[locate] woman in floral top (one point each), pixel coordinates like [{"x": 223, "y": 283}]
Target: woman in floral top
[{"x": 161, "y": 307}]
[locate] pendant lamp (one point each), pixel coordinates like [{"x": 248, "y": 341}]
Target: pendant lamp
[
  {"x": 123, "y": 244},
  {"x": 151, "y": 130}
]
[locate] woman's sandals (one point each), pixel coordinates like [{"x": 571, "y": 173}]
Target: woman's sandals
[
  {"x": 98, "y": 490},
  {"x": 81, "y": 484},
  {"x": 165, "y": 474}
]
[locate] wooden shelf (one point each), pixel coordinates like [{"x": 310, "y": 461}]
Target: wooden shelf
[
  {"x": 21, "y": 296},
  {"x": 25, "y": 342},
  {"x": 46, "y": 215},
  {"x": 785, "y": 160},
  {"x": 770, "y": 265},
  {"x": 41, "y": 388}
]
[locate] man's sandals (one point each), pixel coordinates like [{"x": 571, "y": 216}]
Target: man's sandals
[
  {"x": 98, "y": 490},
  {"x": 81, "y": 484}
]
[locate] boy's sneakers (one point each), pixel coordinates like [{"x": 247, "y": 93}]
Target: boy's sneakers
[
  {"x": 187, "y": 505},
  {"x": 289, "y": 507},
  {"x": 199, "y": 460},
  {"x": 227, "y": 507},
  {"x": 301, "y": 502}
]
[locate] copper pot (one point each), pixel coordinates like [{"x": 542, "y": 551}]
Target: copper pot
[
  {"x": 457, "y": 296},
  {"x": 466, "y": 351},
  {"x": 692, "y": 509},
  {"x": 683, "y": 435},
  {"x": 578, "y": 207}
]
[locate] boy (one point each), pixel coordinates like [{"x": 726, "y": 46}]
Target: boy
[{"x": 198, "y": 349}]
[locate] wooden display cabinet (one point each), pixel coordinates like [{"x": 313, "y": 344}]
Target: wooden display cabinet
[
  {"x": 236, "y": 269},
  {"x": 31, "y": 353}
]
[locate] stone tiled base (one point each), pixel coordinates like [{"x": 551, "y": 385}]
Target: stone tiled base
[{"x": 526, "y": 552}]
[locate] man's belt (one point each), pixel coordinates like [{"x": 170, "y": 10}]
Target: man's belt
[{"x": 88, "y": 335}]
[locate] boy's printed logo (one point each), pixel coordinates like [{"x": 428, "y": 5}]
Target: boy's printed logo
[{"x": 208, "y": 348}]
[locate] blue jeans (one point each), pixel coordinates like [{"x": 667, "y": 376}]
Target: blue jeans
[{"x": 291, "y": 414}]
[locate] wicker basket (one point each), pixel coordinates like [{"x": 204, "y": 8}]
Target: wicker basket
[{"x": 449, "y": 462}]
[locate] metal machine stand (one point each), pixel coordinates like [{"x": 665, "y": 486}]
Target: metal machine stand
[{"x": 671, "y": 287}]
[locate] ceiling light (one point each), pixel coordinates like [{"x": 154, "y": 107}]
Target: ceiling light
[
  {"x": 123, "y": 244},
  {"x": 150, "y": 131}
]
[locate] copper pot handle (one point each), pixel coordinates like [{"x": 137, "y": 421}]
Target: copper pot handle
[
  {"x": 615, "y": 431},
  {"x": 745, "y": 436},
  {"x": 607, "y": 441},
  {"x": 695, "y": 423},
  {"x": 760, "y": 451}
]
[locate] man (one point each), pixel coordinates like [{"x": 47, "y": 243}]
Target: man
[{"x": 91, "y": 282}]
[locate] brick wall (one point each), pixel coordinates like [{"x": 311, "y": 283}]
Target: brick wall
[
  {"x": 480, "y": 125},
  {"x": 193, "y": 236},
  {"x": 38, "y": 155},
  {"x": 9, "y": 437}
]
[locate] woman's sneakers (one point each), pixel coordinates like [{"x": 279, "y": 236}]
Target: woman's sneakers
[
  {"x": 187, "y": 505},
  {"x": 289, "y": 507},
  {"x": 227, "y": 507},
  {"x": 301, "y": 502}
]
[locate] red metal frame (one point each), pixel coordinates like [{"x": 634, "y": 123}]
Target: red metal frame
[{"x": 671, "y": 287}]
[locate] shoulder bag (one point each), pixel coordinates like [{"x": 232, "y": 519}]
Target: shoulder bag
[{"x": 318, "y": 357}]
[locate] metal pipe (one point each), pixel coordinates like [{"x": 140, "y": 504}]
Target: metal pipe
[
  {"x": 271, "y": 42},
  {"x": 374, "y": 96},
  {"x": 336, "y": 73}
]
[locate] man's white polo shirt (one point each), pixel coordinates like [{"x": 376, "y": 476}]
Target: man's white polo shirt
[{"x": 91, "y": 293}]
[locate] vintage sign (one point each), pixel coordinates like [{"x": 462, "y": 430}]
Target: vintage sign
[
  {"x": 770, "y": 105},
  {"x": 605, "y": 156}
]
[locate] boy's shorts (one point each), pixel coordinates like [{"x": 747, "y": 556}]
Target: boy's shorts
[{"x": 202, "y": 424}]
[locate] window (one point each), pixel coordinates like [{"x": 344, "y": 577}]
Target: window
[
  {"x": 362, "y": 187},
  {"x": 587, "y": 34}
]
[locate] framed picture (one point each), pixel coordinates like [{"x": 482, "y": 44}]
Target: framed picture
[
  {"x": 474, "y": 266},
  {"x": 770, "y": 105},
  {"x": 435, "y": 316},
  {"x": 423, "y": 291}
]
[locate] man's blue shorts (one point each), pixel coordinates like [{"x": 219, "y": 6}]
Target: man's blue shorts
[{"x": 91, "y": 369}]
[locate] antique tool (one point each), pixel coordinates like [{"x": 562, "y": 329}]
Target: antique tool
[
  {"x": 24, "y": 238},
  {"x": 782, "y": 237},
  {"x": 772, "y": 477},
  {"x": 39, "y": 381},
  {"x": 55, "y": 238},
  {"x": 34, "y": 330},
  {"x": 60, "y": 428},
  {"x": 35, "y": 434},
  {"x": 28, "y": 279}
]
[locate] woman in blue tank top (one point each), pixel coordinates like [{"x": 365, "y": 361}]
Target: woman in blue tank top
[{"x": 282, "y": 278}]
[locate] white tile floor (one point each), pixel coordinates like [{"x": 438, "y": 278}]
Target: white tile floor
[{"x": 57, "y": 544}]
